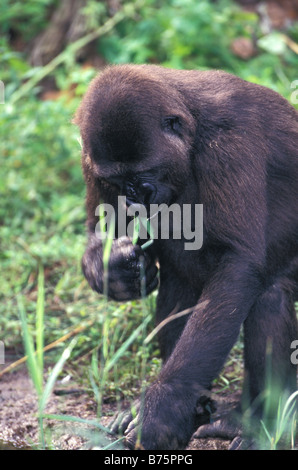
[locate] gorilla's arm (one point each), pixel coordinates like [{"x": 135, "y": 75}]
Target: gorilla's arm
[
  {"x": 131, "y": 271},
  {"x": 170, "y": 408}
]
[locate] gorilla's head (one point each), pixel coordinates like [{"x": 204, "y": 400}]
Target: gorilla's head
[{"x": 137, "y": 133}]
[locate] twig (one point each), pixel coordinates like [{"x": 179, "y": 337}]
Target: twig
[
  {"x": 48, "y": 347},
  {"x": 290, "y": 43},
  {"x": 172, "y": 317}
]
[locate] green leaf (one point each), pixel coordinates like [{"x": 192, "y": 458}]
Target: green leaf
[
  {"x": 34, "y": 370},
  {"x": 273, "y": 43},
  {"x": 54, "y": 374}
]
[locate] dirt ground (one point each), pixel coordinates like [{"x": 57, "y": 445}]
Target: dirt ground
[{"x": 19, "y": 426}]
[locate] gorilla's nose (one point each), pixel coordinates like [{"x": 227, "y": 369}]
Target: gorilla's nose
[
  {"x": 143, "y": 194},
  {"x": 148, "y": 193}
]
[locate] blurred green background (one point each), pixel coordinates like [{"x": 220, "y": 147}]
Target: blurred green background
[{"x": 45, "y": 72}]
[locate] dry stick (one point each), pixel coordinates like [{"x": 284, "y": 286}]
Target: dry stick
[
  {"x": 77, "y": 330},
  {"x": 172, "y": 317},
  {"x": 127, "y": 11},
  {"x": 290, "y": 43},
  {"x": 48, "y": 347}
]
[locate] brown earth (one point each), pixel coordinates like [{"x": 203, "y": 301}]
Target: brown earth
[{"x": 19, "y": 425}]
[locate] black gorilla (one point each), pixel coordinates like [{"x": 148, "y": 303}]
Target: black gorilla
[{"x": 159, "y": 136}]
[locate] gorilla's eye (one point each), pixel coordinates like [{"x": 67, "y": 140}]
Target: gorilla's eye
[{"x": 172, "y": 124}]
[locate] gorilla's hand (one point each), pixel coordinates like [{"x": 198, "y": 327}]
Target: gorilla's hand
[
  {"x": 131, "y": 271},
  {"x": 167, "y": 419},
  {"x": 171, "y": 426}
]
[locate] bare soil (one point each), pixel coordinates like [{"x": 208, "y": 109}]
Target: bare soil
[{"x": 18, "y": 416}]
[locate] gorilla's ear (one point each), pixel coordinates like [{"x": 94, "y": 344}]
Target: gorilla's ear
[{"x": 172, "y": 124}]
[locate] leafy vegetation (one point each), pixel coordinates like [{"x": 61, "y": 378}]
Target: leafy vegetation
[
  {"x": 42, "y": 191},
  {"x": 191, "y": 34}
]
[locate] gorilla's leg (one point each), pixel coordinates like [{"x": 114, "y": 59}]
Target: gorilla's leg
[{"x": 269, "y": 330}]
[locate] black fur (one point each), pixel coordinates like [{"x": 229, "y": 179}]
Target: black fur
[{"x": 193, "y": 137}]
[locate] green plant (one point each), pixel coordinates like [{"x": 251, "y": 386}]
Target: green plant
[
  {"x": 35, "y": 359},
  {"x": 15, "y": 15},
  {"x": 285, "y": 425},
  {"x": 191, "y": 34},
  {"x": 278, "y": 426}
]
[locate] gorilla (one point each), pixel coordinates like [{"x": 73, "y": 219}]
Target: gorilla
[{"x": 183, "y": 137}]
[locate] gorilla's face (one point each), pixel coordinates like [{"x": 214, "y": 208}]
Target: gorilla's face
[{"x": 140, "y": 146}]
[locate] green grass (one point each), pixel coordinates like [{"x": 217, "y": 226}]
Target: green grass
[
  {"x": 101, "y": 368},
  {"x": 285, "y": 425},
  {"x": 35, "y": 357}
]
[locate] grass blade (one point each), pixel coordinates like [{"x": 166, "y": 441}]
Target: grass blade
[
  {"x": 74, "y": 419},
  {"x": 126, "y": 344},
  {"x": 54, "y": 374},
  {"x": 34, "y": 371},
  {"x": 40, "y": 319}
]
